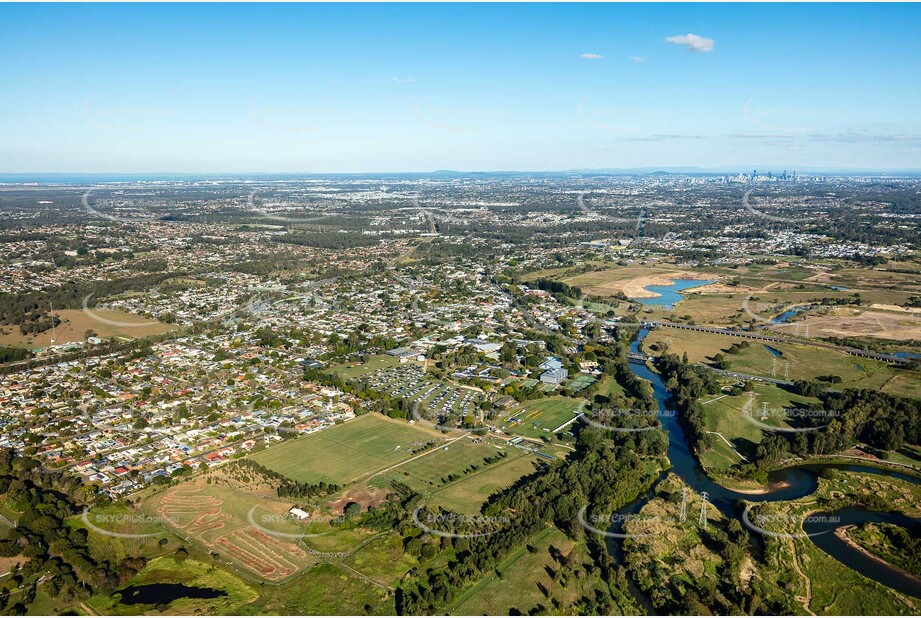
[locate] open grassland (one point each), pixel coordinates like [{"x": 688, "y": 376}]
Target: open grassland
[
  {"x": 238, "y": 526},
  {"x": 727, "y": 308},
  {"x": 527, "y": 580},
  {"x": 837, "y": 590},
  {"x": 326, "y": 538},
  {"x": 347, "y": 452},
  {"x": 75, "y": 323},
  {"x": 798, "y": 361},
  {"x": 7, "y": 563},
  {"x": 872, "y": 277},
  {"x": 564, "y": 272},
  {"x": 540, "y": 417},
  {"x": 8, "y": 513},
  {"x": 325, "y": 590},
  {"x": 468, "y": 494},
  {"x": 629, "y": 280},
  {"x": 609, "y": 386},
  {"x": 47, "y": 605},
  {"x": 910, "y": 455},
  {"x": 383, "y": 559},
  {"x": 854, "y": 322},
  {"x": 725, "y": 416},
  {"x": 768, "y": 288}
]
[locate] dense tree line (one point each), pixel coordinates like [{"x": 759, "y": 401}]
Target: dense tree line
[
  {"x": 883, "y": 421},
  {"x": 600, "y": 473},
  {"x": 286, "y": 487},
  {"x": 9, "y": 354},
  {"x": 46, "y": 501},
  {"x": 558, "y": 287},
  {"x": 687, "y": 383}
]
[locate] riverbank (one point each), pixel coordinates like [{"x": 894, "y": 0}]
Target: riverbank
[
  {"x": 842, "y": 533},
  {"x": 793, "y": 480},
  {"x": 850, "y": 460}
]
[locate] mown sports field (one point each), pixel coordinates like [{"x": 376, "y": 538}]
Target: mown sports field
[
  {"x": 540, "y": 417},
  {"x": 348, "y": 452},
  {"x": 453, "y": 459}
]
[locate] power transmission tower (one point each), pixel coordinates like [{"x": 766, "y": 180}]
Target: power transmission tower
[
  {"x": 684, "y": 504},
  {"x": 774, "y": 367},
  {"x": 702, "y": 522},
  {"x": 786, "y": 370}
]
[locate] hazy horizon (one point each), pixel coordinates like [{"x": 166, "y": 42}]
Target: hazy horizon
[{"x": 243, "y": 89}]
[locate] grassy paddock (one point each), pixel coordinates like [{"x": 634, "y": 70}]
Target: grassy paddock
[
  {"x": 725, "y": 415},
  {"x": 798, "y": 361},
  {"x": 468, "y": 494},
  {"x": 431, "y": 471},
  {"x": 75, "y": 323},
  {"x": 347, "y": 452},
  {"x": 522, "y": 572}
]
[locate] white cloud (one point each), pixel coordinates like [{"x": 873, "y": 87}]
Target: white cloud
[
  {"x": 592, "y": 57},
  {"x": 692, "y": 42},
  {"x": 408, "y": 80},
  {"x": 637, "y": 59}
]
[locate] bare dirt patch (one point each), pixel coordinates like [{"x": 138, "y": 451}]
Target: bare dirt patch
[
  {"x": 858, "y": 324},
  {"x": 912, "y": 310},
  {"x": 75, "y": 323},
  {"x": 365, "y": 496},
  {"x": 7, "y": 563},
  {"x": 219, "y": 519},
  {"x": 607, "y": 283}
]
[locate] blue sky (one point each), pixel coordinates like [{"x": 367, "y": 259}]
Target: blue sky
[{"x": 414, "y": 87}]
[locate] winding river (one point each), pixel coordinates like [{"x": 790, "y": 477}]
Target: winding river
[{"x": 786, "y": 484}]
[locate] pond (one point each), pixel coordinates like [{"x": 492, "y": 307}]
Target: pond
[
  {"x": 786, "y": 315},
  {"x": 668, "y": 295},
  {"x": 162, "y": 594}
]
